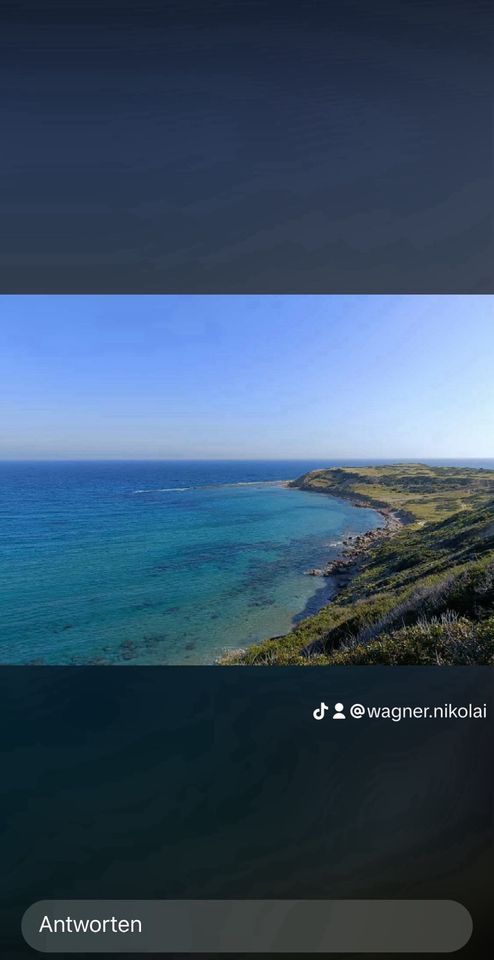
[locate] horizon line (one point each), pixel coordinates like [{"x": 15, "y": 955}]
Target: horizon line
[{"x": 396, "y": 459}]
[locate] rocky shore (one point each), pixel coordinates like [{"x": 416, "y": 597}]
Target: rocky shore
[
  {"x": 356, "y": 546},
  {"x": 420, "y": 599}
]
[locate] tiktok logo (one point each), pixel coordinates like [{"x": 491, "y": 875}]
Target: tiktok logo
[{"x": 319, "y": 712}]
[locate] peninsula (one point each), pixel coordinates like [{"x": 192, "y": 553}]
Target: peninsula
[{"x": 418, "y": 591}]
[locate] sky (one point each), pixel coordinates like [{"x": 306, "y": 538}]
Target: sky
[{"x": 245, "y": 377}]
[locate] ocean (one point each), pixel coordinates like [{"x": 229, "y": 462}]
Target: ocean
[{"x": 160, "y": 562}]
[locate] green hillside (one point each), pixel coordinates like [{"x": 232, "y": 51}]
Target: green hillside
[{"x": 422, "y": 594}]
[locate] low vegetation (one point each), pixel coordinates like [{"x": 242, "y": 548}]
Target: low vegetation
[{"x": 422, "y": 596}]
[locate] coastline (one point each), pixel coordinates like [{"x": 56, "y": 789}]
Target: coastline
[
  {"x": 344, "y": 567},
  {"x": 424, "y": 597},
  {"x": 357, "y": 545}
]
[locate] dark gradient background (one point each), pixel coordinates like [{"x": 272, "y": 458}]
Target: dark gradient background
[
  {"x": 126, "y": 782},
  {"x": 246, "y": 146},
  {"x": 252, "y": 146}
]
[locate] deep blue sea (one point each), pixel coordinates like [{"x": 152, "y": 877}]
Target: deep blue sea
[{"x": 160, "y": 562}]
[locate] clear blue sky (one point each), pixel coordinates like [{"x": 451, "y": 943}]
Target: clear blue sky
[{"x": 246, "y": 377}]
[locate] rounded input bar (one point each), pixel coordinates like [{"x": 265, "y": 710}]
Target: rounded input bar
[{"x": 246, "y": 926}]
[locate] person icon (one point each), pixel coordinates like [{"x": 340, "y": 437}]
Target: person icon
[{"x": 338, "y": 715}]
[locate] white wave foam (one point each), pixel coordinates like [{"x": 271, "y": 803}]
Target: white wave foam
[
  {"x": 164, "y": 490},
  {"x": 206, "y": 486},
  {"x": 247, "y": 483}
]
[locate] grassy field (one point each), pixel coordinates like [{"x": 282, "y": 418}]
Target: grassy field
[
  {"x": 424, "y": 595},
  {"x": 426, "y": 493}
]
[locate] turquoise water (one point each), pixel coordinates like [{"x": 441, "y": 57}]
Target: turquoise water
[
  {"x": 165, "y": 562},
  {"x": 159, "y": 562}
]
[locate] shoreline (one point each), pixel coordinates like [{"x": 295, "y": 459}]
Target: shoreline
[
  {"x": 344, "y": 567},
  {"x": 357, "y": 545},
  {"x": 423, "y": 597}
]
